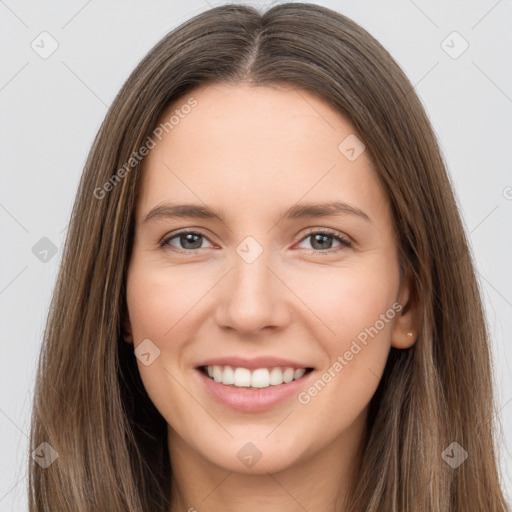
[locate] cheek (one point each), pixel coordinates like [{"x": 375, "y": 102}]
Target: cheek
[
  {"x": 156, "y": 305},
  {"x": 158, "y": 301},
  {"x": 347, "y": 300},
  {"x": 355, "y": 306}
]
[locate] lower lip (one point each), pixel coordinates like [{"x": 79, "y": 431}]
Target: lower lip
[{"x": 253, "y": 400}]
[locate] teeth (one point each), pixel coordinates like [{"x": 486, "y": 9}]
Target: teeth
[
  {"x": 288, "y": 374},
  {"x": 242, "y": 377},
  {"x": 260, "y": 378},
  {"x": 299, "y": 373},
  {"x": 276, "y": 376},
  {"x": 217, "y": 374},
  {"x": 228, "y": 376}
]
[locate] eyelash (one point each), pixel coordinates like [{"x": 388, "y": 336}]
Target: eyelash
[{"x": 345, "y": 242}]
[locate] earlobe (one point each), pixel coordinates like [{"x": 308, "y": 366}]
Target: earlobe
[{"x": 403, "y": 339}]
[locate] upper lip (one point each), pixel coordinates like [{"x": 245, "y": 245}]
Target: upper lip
[{"x": 253, "y": 363}]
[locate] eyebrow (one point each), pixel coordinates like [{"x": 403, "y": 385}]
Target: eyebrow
[{"x": 299, "y": 211}]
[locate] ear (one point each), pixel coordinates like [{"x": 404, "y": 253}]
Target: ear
[
  {"x": 408, "y": 322},
  {"x": 127, "y": 328}
]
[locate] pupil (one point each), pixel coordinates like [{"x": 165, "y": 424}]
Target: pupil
[
  {"x": 184, "y": 239},
  {"x": 322, "y": 238}
]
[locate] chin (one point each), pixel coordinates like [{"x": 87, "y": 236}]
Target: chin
[{"x": 255, "y": 457}]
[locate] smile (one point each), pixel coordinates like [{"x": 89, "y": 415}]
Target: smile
[
  {"x": 254, "y": 390},
  {"x": 258, "y": 378}
]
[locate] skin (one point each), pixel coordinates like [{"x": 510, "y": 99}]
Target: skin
[{"x": 251, "y": 152}]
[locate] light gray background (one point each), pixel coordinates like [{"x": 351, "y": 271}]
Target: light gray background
[{"x": 51, "y": 109}]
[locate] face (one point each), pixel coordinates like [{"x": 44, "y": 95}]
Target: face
[{"x": 267, "y": 281}]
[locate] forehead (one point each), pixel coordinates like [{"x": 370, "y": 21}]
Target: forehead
[
  {"x": 279, "y": 116},
  {"x": 254, "y": 142}
]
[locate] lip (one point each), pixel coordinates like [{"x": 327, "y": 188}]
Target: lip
[
  {"x": 253, "y": 400},
  {"x": 254, "y": 363}
]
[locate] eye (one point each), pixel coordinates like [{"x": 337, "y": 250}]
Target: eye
[
  {"x": 323, "y": 239},
  {"x": 189, "y": 241}
]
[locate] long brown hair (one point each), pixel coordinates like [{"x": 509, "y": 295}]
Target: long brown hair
[{"x": 90, "y": 404}]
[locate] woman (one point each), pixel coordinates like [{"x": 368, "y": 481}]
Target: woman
[{"x": 322, "y": 343}]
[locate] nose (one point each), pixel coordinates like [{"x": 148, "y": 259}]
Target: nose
[{"x": 253, "y": 297}]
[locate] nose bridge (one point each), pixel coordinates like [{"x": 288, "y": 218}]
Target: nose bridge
[
  {"x": 251, "y": 272},
  {"x": 252, "y": 300}
]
